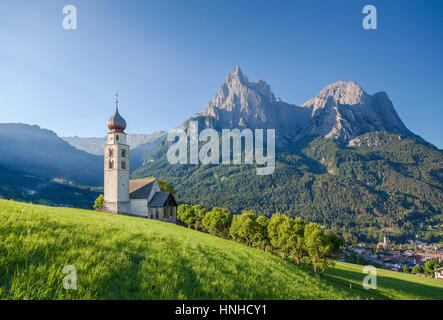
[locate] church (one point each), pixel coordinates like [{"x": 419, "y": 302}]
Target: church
[{"x": 139, "y": 197}]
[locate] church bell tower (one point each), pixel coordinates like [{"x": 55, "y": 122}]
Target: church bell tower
[{"x": 116, "y": 158}]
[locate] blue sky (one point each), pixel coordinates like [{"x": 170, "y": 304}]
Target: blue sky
[{"x": 168, "y": 58}]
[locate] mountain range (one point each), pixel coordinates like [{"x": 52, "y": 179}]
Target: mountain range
[
  {"x": 342, "y": 111},
  {"x": 344, "y": 159}
]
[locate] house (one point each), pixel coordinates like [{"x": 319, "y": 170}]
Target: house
[
  {"x": 138, "y": 197},
  {"x": 147, "y": 200},
  {"x": 438, "y": 273}
]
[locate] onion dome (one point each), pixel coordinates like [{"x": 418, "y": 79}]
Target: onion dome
[{"x": 116, "y": 122}]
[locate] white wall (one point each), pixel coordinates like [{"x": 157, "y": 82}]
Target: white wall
[{"x": 139, "y": 207}]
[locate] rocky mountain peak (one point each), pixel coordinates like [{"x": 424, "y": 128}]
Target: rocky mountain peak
[
  {"x": 239, "y": 95},
  {"x": 344, "y": 92},
  {"x": 339, "y": 93},
  {"x": 342, "y": 110}
]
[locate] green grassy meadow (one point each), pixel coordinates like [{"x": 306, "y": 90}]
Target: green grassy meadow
[{"x": 120, "y": 257}]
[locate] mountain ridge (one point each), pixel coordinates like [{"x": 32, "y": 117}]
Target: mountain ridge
[{"x": 342, "y": 111}]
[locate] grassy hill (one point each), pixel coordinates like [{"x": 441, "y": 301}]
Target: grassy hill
[{"x": 119, "y": 257}]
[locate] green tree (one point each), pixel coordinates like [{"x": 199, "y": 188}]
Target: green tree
[
  {"x": 279, "y": 233},
  {"x": 199, "y": 216},
  {"x": 352, "y": 257},
  {"x": 406, "y": 269},
  {"x": 297, "y": 240},
  {"x": 431, "y": 265},
  {"x": 217, "y": 222},
  {"x": 244, "y": 227},
  {"x": 262, "y": 238},
  {"x": 99, "y": 202},
  {"x": 321, "y": 247},
  {"x": 166, "y": 186},
  {"x": 417, "y": 269},
  {"x": 185, "y": 214},
  {"x": 191, "y": 216}
]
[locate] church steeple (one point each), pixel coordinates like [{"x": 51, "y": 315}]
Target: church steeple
[
  {"x": 116, "y": 122},
  {"x": 116, "y": 175}
]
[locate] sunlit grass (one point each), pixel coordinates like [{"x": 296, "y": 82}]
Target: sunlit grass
[{"x": 119, "y": 257}]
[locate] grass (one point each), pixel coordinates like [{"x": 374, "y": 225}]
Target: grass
[{"x": 119, "y": 257}]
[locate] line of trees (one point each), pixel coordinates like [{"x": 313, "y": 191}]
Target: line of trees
[{"x": 293, "y": 239}]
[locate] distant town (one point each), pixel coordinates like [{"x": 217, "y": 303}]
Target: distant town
[{"x": 415, "y": 256}]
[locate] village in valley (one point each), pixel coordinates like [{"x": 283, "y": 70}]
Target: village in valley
[{"x": 410, "y": 257}]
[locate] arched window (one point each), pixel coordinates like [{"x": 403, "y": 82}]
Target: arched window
[
  {"x": 117, "y": 137},
  {"x": 123, "y": 153},
  {"x": 123, "y": 164},
  {"x": 111, "y": 152},
  {"x": 111, "y": 164}
]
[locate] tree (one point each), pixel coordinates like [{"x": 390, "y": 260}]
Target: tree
[
  {"x": 191, "y": 216},
  {"x": 417, "y": 269},
  {"x": 217, "y": 222},
  {"x": 406, "y": 269},
  {"x": 199, "y": 216},
  {"x": 262, "y": 238},
  {"x": 166, "y": 186},
  {"x": 352, "y": 257},
  {"x": 297, "y": 240},
  {"x": 279, "y": 233},
  {"x": 431, "y": 265},
  {"x": 182, "y": 212},
  {"x": 185, "y": 214},
  {"x": 320, "y": 246},
  {"x": 99, "y": 202},
  {"x": 244, "y": 227}
]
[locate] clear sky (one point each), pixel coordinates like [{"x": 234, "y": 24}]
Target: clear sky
[{"x": 168, "y": 58}]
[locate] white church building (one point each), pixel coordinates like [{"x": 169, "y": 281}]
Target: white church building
[{"x": 139, "y": 197}]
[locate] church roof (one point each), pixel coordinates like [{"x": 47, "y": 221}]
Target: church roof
[
  {"x": 160, "y": 198},
  {"x": 140, "y": 188}
]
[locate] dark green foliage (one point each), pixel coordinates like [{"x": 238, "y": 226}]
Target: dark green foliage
[{"x": 385, "y": 183}]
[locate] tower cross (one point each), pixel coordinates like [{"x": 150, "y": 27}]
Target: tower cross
[{"x": 116, "y": 100}]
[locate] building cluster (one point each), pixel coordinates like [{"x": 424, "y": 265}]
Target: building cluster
[{"x": 383, "y": 255}]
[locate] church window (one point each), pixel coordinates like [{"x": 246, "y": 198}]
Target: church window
[
  {"x": 116, "y": 137},
  {"x": 123, "y": 153},
  {"x": 123, "y": 164},
  {"x": 111, "y": 164},
  {"x": 111, "y": 152}
]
